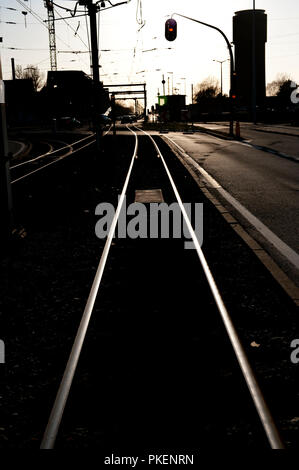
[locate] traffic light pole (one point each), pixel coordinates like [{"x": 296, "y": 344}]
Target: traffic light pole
[
  {"x": 5, "y": 187},
  {"x": 232, "y": 68},
  {"x": 254, "y": 64}
]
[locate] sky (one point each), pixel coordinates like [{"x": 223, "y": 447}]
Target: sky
[{"x": 134, "y": 54}]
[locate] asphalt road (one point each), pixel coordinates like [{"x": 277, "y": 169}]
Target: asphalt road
[
  {"x": 282, "y": 138},
  {"x": 265, "y": 184}
]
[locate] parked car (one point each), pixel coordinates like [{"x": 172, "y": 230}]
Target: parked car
[
  {"x": 104, "y": 119},
  {"x": 68, "y": 122},
  {"x": 126, "y": 120}
]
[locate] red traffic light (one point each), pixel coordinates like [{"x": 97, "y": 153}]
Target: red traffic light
[{"x": 170, "y": 29}]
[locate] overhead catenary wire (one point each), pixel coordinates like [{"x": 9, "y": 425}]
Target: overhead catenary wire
[
  {"x": 73, "y": 29},
  {"x": 139, "y": 37},
  {"x": 40, "y": 20}
]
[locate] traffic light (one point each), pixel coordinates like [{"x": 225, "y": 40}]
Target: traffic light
[{"x": 170, "y": 29}]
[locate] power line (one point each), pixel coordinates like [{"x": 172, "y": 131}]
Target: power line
[
  {"x": 32, "y": 12},
  {"x": 40, "y": 20},
  {"x": 71, "y": 27}
]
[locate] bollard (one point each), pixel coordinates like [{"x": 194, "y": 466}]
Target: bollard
[{"x": 238, "y": 133}]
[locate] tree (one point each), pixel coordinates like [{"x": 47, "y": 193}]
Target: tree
[
  {"x": 31, "y": 72},
  {"x": 284, "y": 94},
  {"x": 19, "y": 72},
  {"x": 274, "y": 86},
  {"x": 207, "y": 89},
  {"x": 282, "y": 89},
  {"x": 121, "y": 108}
]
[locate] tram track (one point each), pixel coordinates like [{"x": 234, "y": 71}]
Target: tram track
[
  {"x": 65, "y": 386},
  {"x": 29, "y": 167}
]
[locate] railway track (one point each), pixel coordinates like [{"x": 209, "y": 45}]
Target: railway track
[
  {"x": 31, "y": 166},
  {"x": 22, "y": 170},
  {"x": 149, "y": 344}
]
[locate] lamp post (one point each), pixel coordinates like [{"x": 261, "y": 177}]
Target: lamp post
[
  {"x": 185, "y": 90},
  {"x": 171, "y": 73},
  {"x": 163, "y": 83},
  {"x": 221, "y": 62}
]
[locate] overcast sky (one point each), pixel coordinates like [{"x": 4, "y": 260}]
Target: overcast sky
[{"x": 130, "y": 57}]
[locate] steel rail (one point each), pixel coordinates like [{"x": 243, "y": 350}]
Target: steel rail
[
  {"x": 51, "y": 163},
  {"x": 253, "y": 386},
  {"x": 107, "y": 132},
  {"x": 66, "y": 382},
  {"x": 51, "y": 153}
]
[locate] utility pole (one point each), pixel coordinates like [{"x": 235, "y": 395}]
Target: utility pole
[
  {"x": 13, "y": 70},
  {"x": 5, "y": 187},
  {"x": 92, "y": 12},
  {"x": 92, "y": 9}
]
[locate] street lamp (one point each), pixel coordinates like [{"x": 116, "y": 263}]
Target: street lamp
[
  {"x": 171, "y": 73},
  {"x": 221, "y": 62},
  {"x": 178, "y": 87},
  {"x": 232, "y": 67},
  {"x": 185, "y": 90}
]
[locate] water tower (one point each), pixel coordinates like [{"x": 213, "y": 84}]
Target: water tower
[{"x": 244, "y": 25}]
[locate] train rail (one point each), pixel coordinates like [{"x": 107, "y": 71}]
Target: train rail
[
  {"x": 260, "y": 404},
  {"x": 49, "y": 158}
]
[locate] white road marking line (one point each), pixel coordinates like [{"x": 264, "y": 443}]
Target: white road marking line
[{"x": 280, "y": 245}]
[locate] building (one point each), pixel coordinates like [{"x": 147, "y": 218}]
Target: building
[
  {"x": 20, "y": 99},
  {"x": 243, "y": 27},
  {"x": 70, "y": 92},
  {"x": 170, "y": 107}
]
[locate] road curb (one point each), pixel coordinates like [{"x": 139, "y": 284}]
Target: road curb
[{"x": 277, "y": 273}]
